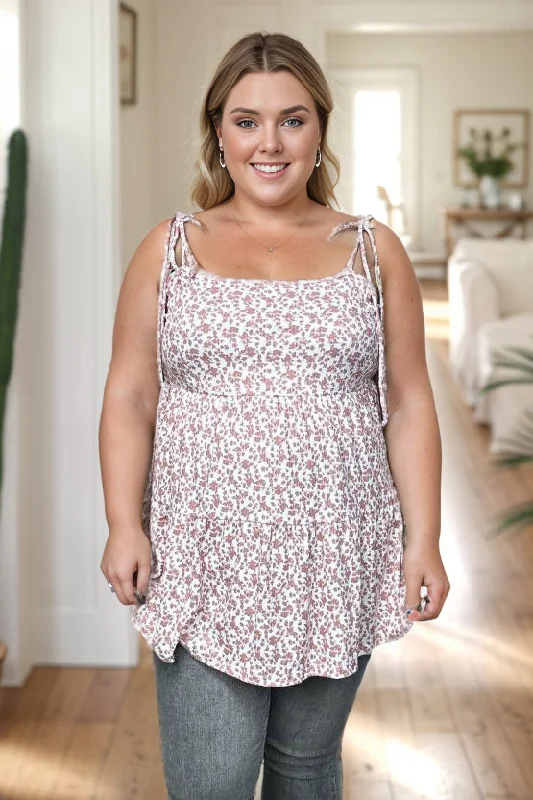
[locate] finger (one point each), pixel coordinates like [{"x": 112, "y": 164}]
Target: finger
[
  {"x": 112, "y": 583},
  {"x": 412, "y": 593},
  {"x": 108, "y": 579},
  {"x": 124, "y": 589},
  {"x": 432, "y": 606},
  {"x": 141, "y": 582}
]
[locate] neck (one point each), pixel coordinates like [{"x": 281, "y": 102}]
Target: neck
[{"x": 249, "y": 212}]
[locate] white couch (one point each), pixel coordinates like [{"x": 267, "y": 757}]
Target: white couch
[{"x": 490, "y": 288}]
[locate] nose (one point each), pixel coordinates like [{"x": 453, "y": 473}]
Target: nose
[{"x": 271, "y": 140}]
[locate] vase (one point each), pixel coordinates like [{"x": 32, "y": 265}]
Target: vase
[{"x": 490, "y": 193}]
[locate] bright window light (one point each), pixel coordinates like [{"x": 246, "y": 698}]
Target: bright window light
[{"x": 378, "y": 155}]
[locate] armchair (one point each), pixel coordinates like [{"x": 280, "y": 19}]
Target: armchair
[{"x": 490, "y": 285}]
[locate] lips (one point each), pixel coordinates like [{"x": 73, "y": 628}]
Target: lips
[{"x": 270, "y": 170}]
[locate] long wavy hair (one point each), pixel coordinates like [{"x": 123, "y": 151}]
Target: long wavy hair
[{"x": 259, "y": 53}]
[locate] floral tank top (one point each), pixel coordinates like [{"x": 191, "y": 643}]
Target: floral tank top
[{"x": 275, "y": 523}]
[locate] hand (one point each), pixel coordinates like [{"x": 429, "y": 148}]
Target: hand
[
  {"x": 424, "y": 567},
  {"x": 128, "y": 551}
]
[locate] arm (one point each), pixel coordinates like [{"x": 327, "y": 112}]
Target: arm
[
  {"x": 128, "y": 418},
  {"x": 412, "y": 433}
]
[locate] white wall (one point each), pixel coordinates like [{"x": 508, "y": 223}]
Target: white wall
[
  {"x": 56, "y": 607},
  {"x": 185, "y": 45},
  {"x": 11, "y": 549},
  {"x": 9, "y": 76},
  {"x": 138, "y": 139},
  {"x": 456, "y": 71}
]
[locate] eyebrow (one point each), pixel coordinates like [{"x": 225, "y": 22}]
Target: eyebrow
[{"x": 291, "y": 110}]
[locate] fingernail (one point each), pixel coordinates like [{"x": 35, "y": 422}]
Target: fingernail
[{"x": 139, "y": 596}]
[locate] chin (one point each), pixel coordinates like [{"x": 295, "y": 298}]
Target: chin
[{"x": 274, "y": 195}]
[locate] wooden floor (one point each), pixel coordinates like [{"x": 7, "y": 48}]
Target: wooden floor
[{"x": 445, "y": 713}]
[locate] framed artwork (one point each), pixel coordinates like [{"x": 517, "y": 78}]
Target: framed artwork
[
  {"x": 505, "y": 126},
  {"x": 128, "y": 55}
]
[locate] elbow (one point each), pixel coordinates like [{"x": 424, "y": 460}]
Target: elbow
[
  {"x": 413, "y": 403},
  {"x": 120, "y": 398}
]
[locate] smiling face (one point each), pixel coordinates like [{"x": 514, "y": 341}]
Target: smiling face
[{"x": 270, "y": 132}]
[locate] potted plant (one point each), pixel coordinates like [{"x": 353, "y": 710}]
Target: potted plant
[
  {"x": 489, "y": 158},
  {"x": 10, "y": 269},
  {"x": 519, "y": 360}
]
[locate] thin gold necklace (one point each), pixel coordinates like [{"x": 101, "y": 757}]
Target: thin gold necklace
[{"x": 273, "y": 249}]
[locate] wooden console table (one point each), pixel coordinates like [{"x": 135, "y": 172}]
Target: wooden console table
[{"x": 465, "y": 218}]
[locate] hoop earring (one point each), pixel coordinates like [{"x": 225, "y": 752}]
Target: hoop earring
[
  {"x": 222, "y": 163},
  {"x": 319, "y": 157}
]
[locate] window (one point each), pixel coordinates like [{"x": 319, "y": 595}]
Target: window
[
  {"x": 377, "y": 145},
  {"x": 376, "y": 137}
]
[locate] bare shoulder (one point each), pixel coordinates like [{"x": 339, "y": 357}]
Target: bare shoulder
[
  {"x": 391, "y": 252},
  {"x": 137, "y": 303},
  {"x": 152, "y": 247},
  {"x": 387, "y": 241},
  {"x": 393, "y": 258},
  {"x": 144, "y": 268}
]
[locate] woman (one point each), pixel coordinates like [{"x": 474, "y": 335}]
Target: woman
[{"x": 249, "y": 384}]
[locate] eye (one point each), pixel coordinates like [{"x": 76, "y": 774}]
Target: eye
[
  {"x": 245, "y": 123},
  {"x": 293, "y": 122}
]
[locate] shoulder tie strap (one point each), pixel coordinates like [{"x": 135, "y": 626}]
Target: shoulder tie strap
[
  {"x": 188, "y": 267},
  {"x": 189, "y": 263},
  {"x": 364, "y": 226}
]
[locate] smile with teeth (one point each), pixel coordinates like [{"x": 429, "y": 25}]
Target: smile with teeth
[{"x": 269, "y": 167}]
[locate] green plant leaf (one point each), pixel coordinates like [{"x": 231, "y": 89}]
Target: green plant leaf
[
  {"x": 489, "y": 387},
  {"x": 519, "y": 366},
  {"x": 518, "y": 517},
  {"x": 514, "y": 460},
  {"x": 522, "y": 352}
]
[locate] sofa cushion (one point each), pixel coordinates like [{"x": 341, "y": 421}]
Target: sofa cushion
[
  {"x": 495, "y": 337},
  {"x": 510, "y": 265},
  {"x": 503, "y": 408}
]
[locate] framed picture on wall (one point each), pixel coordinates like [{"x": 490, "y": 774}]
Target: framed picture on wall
[
  {"x": 128, "y": 55},
  {"x": 501, "y": 127}
]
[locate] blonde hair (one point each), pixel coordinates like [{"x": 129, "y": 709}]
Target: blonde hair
[{"x": 261, "y": 52}]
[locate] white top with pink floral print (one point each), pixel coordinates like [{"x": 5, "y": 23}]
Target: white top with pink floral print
[{"x": 275, "y": 523}]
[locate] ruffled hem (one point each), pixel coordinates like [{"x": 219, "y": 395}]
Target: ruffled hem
[
  {"x": 272, "y": 605},
  {"x": 311, "y": 668}
]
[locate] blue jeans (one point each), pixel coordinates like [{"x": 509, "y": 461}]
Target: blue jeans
[{"x": 215, "y": 730}]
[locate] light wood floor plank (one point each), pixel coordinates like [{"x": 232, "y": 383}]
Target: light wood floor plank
[
  {"x": 34, "y": 696},
  {"x": 446, "y": 774},
  {"x": 68, "y": 695},
  {"x": 44, "y": 755},
  {"x": 133, "y": 754},
  {"x": 15, "y": 753},
  {"x": 430, "y": 709},
  {"x": 494, "y": 765},
  {"x": 105, "y": 695},
  {"x": 363, "y": 748},
  {"x": 77, "y": 777},
  {"x": 363, "y": 790}
]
